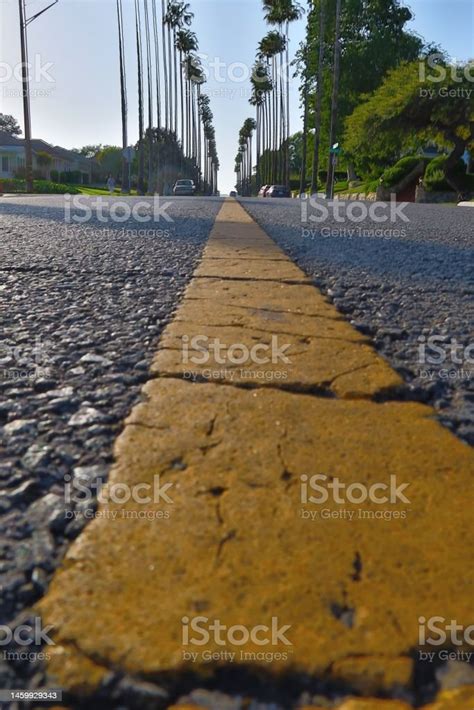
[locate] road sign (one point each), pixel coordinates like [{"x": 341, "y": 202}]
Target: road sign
[
  {"x": 129, "y": 154},
  {"x": 336, "y": 149}
]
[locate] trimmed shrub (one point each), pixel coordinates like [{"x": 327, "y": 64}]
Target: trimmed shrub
[
  {"x": 54, "y": 188},
  {"x": 435, "y": 178},
  {"x": 39, "y": 186},
  {"x": 400, "y": 170},
  {"x": 71, "y": 177}
]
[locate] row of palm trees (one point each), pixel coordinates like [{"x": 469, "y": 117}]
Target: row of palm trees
[
  {"x": 243, "y": 160},
  {"x": 270, "y": 96},
  {"x": 175, "y": 122},
  {"x": 271, "y": 99}
]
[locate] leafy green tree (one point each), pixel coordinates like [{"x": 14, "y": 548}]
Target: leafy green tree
[
  {"x": 373, "y": 40},
  {"x": 410, "y": 109},
  {"x": 9, "y": 124},
  {"x": 88, "y": 151},
  {"x": 110, "y": 159}
]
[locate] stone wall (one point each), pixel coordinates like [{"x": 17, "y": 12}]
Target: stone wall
[{"x": 370, "y": 197}]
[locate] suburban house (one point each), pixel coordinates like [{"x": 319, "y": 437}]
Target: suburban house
[{"x": 12, "y": 160}]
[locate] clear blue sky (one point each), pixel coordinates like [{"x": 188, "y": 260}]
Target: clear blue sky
[{"x": 82, "y": 104}]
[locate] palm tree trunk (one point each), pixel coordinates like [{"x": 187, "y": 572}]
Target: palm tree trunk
[
  {"x": 287, "y": 143},
  {"x": 305, "y": 137},
  {"x": 141, "y": 145},
  {"x": 282, "y": 129},
  {"x": 257, "y": 166},
  {"x": 175, "y": 72},
  {"x": 250, "y": 164},
  {"x": 275, "y": 125},
  {"x": 165, "y": 63},
  {"x": 123, "y": 96},
  {"x": 199, "y": 139},
  {"x": 170, "y": 80},
  {"x": 188, "y": 117},
  {"x": 157, "y": 60},
  {"x": 334, "y": 102},
  {"x": 181, "y": 95},
  {"x": 281, "y": 159},
  {"x": 151, "y": 186},
  {"x": 319, "y": 98},
  {"x": 266, "y": 140},
  {"x": 193, "y": 103}
]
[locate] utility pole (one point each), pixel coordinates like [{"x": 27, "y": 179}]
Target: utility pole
[
  {"x": 319, "y": 98},
  {"x": 25, "y": 81},
  {"x": 335, "y": 98}
]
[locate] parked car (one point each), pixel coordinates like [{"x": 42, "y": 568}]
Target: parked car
[
  {"x": 278, "y": 191},
  {"x": 263, "y": 191},
  {"x": 184, "y": 187},
  {"x": 232, "y": 193}
]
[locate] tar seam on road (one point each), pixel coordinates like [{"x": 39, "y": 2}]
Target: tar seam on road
[{"x": 243, "y": 539}]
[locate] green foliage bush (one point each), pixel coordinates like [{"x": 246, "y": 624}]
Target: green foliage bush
[
  {"x": 40, "y": 186},
  {"x": 54, "y": 188},
  {"x": 20, "y": 174},
  {"x": 435, "y": 180},
  {"x": 392, "y": 176},
  {"x": 71, "y": 177}
]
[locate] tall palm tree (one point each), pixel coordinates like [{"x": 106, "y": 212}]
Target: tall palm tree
[
  {"x": 272, "y": 45},
  {"x": 245, "y": 150},
  {"x": 250, "y": 125},
  {"x": 178, "y": 15},
  {"x": 186, "y": 43},
  {"x": 206, "y": 117},
  {"x": 238, "y": 172},
  {"x": 197, "y": 79},
  {"x": 334, "y": 100},
  {"x": 282, "y": 13},
  {"x": 261, "y": 86},
  {"x": 123, "y": 95}
]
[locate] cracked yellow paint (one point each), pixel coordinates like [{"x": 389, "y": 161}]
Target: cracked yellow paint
[
  {"x": 241, "y": 541},
  {"x": 251, "y": 302}
]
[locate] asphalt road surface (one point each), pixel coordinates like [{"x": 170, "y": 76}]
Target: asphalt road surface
[
  {"x": 85, "y": 292},
  {"x": 82, "y": 306},
  {"x": 402, "y": 282}
]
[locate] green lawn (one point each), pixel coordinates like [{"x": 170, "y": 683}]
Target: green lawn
[{"x": 86, "y": 190}]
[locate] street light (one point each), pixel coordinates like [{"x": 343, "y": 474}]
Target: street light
[{"x": 25, "y": 80}]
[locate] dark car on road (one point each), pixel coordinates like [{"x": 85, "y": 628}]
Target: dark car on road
[
  {"x": 278, "y": 191},
  {"x": 184, "y": 187}
]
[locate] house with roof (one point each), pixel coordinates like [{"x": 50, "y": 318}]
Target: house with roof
[{"x": 61, "y": 160}]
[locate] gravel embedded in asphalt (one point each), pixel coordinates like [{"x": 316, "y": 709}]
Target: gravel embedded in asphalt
[
  {"x": 407, "y": 282},
  {"x": 81, "y": 309}
]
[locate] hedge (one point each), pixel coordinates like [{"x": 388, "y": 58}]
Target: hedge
[
  {"x": 392, "y": 176},
  {"x": 435, "y": 179},
  {"x": 39, "y": 186}
]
